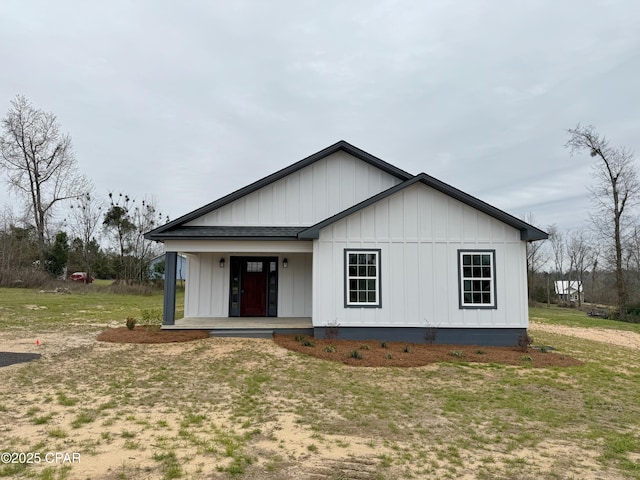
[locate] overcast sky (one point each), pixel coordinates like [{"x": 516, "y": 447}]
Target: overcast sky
[{"x": 187, "y": 101}]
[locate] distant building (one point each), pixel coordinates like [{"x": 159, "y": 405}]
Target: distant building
[
  {"x": 181, "y": 267},
  {"x": 569, "y": 290}
]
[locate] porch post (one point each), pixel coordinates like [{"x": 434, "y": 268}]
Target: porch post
[{"x": 169, "y": 307}]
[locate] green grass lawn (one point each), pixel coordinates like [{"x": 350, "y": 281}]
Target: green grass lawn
[
  {"x": 227, "y": 408},
  {"x": 576, "y": 318},
  {"x": 83, "y": 305}
]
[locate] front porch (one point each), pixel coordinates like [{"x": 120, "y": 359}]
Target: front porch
[
  {"x": 263, "y": 327},
  {"x": 260, "y": 280}
]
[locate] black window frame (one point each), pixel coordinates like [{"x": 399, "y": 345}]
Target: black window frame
[
  {"x": 347, "y": 278},
  {"x": 493, "y": 303}
]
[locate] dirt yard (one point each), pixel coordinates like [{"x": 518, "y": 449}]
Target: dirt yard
[
  {"x": 604, "y": 335},
  {"x": 57, "y": 403}
]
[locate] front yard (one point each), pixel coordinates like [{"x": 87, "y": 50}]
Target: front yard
[{"x": 250, "y": 409}]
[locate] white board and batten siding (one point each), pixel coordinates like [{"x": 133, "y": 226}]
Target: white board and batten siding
[
  {"x": 305, "y": 197},
  {"x": 419, "y": 232},
  {"x": 207, "y": 293}
]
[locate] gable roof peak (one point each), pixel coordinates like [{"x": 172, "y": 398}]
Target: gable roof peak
[{"x": 341, "y": 145}]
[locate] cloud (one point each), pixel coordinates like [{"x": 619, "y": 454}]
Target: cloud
[{"x": 190, "y": 101}]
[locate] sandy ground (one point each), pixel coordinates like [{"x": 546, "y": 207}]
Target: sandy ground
[
  {"x": 51, "y": 343},
  {"x": 283, "y": 435},
  {"x": 604, "y": 335}
]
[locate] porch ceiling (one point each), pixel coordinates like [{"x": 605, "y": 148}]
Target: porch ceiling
[{"x": 239, "y": 246}]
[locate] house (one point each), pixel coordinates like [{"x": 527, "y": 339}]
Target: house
[
  {"x": 158, "y": 262},
  {"x": 345, "y": 240},
  {"x": 569, "y": 290}
]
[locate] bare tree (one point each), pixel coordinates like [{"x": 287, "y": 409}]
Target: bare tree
[
  {"x": 556, "y": 240},
  {"x": 119, "y": 225},
  {"x": 128, "y": 222},
  {"x": 145, "y": 217},
  {"x": 536, "y": 256},
  {"x": 39, "y": 162},
  {"x": 85, "y": 215},
  {"x": 633, "y": 257},
  {"x": 616, "y": 188},
  {"x": 593, "y": 258},
  {"x": 577, "y": 247},
  {"x": 17, "y": 246}
]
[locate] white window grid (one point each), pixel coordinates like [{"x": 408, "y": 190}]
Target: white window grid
[
  {"x": 363, "y": 278},
  {"x": 477, "y": 279}
]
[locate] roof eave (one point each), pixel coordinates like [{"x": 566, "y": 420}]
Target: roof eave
[
  {"x": 528, "y": 232},
  {"x": 532, "y": 234},
  {"x": 163, "y": 238}
]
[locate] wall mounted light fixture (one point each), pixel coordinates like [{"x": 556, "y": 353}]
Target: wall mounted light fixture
[
  {"x": 222, "y": 263},
  {"x": 285, "y": 262}
]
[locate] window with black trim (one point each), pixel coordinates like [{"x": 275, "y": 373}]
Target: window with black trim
[
  {"x": 362, "y": 278},
  {"x": 477, "y": 278}
]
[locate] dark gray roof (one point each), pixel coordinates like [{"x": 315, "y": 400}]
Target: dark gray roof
[
  {"x": 224, "y": 232},
  {"x": 176, "y": 229},
  {"x": 527, "y": 232},
  {"x": 339, "y": 146}
]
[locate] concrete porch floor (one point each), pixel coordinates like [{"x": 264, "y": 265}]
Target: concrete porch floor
[{"x": 241, "y": 323}]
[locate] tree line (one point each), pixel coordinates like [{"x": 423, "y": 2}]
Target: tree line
[
  {"x": 101, "y": 236},
  {"x": 40, "y": 167},
  {"x": 604, "y": 255}
]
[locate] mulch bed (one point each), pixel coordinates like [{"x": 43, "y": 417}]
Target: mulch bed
[
  {"x": 374, "y": 355},
  {"x": 150, "y": 334}
]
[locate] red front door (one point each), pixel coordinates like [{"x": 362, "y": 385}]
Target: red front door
[{"x": 254, "y": 294}]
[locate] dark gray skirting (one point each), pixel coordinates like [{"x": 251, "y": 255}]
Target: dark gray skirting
[{"x": 490, "y": 337}]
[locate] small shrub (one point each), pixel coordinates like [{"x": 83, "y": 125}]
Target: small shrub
[
  {"x": 526, "y": 358},
  {"x": 299, "y": 338},
  {"x": 430, "y": 333},
  {"x": 330, "y": 349},
  {"x": 480, "y": 352},
  {"x": 307, "y": 343},
  {"x": 25, "y": 278},
  {"x": 152, "y": 316},
  {"x": 634, "y": 310},
  {"x": 364, "y": 346},
  {"x": 131, "y": 323},
  {"x": 407, "y": 349},
  {"x": 524, "y": 342},
  {"x": 383, "y": 344},
  {"x": 544, "y": 349},
  {"x": 456, "y": 353},
  {"x": 388, "y": 356},
  {"x": 355, "y": 354},
  {"x": 332, "y": 330}
]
